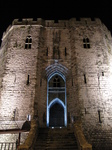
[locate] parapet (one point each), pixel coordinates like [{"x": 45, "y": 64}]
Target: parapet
[
  {"x": 28, "y": 21},
  {"x": 53, "y": 23}
]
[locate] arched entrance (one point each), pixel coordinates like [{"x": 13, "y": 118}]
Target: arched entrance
[
  {"x": 56, "y": 115},
  {"x": 56, "y": 101}
]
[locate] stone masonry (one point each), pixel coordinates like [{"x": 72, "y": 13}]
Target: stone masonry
[{"x": 78, "y": 50}]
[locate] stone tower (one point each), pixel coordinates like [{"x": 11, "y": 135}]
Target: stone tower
[{"x": 58, "y": 73}]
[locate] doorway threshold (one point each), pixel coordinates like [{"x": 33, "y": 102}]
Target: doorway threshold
[{"x": 57, "y": 127}]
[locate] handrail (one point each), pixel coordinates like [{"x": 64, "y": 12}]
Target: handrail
[
  {"x": 27, "y": 145},
  {"x": 81, "y": 140},
  {"x": 12, "y": 131}
]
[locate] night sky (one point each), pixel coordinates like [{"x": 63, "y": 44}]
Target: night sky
[{"x": 55, "y": 10}]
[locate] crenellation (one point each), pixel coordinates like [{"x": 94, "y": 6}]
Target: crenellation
[
  {"x": 51, "y": 23},
  {"x": 29, "y": 21}
]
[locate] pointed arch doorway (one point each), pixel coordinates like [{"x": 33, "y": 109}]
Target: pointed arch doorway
[
  {"x": 56, "y": 101},
  {"x": 56, "y": 114}
]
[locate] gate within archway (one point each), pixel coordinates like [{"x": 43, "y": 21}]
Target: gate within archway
[{"x": 56, "y": 116}]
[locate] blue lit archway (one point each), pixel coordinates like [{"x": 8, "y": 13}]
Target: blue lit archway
[
  {"x": 56, "y": 89},
  {"x": 56, "y": 93},
  {"x": 61, "y": 117}
]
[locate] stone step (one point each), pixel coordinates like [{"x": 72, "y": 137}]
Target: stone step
[
  {"x": 57, "y": 138},
  {"x": 48, "y": 144},
  {"x": 56, "y": 148}
]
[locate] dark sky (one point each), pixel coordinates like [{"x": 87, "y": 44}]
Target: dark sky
[{"x": 10, "y": 10}]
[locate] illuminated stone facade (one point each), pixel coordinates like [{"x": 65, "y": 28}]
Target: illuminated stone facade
[{"x": 46, "y": 64}]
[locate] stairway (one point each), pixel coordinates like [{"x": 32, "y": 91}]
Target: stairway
[{"x": 57, "y": 138}]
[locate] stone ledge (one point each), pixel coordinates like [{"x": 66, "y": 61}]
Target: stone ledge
[
  {"x": 82, "y": 143},
  {"x": 27, "y": 145}
]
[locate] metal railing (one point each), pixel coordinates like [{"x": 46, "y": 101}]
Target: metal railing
[
  {"x": 8, "y": 146},
  {"x": 11, "y": 145}
]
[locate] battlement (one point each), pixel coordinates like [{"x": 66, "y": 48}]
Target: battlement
[
  {"x": 52, "y": 23},
  {"x": 28, "y": 21},
  {"x": 60, "y": 23}
]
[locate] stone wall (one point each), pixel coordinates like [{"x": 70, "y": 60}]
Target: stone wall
[
  {"x": 88, "y": 76},
  {"x": 15, "y": 93}
]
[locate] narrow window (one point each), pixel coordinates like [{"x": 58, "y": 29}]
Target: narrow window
[
  {"x": 87, "y": 40},
  {"x": 28, "y": 81},
  {"x": 56, "y": 82},
  {"x": 29, "y": 46},
  {"x": 14, "y": 114},
  {"x": 28, "y": 42},
  {"x": 86, "y": 43},
  {"x": 99, "y": 115},
  {"x": 40, "y": 82},
  {"x": 65, "y": 51},
  {"x": 102, "y": 73},
  {"x": 85, "y": 79},
  {"x": 25, "y": 46},
  {"x": 47, "y": 51},
  {"x": 72, "y": 82},
  {"x": 84, "y": 40}
]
